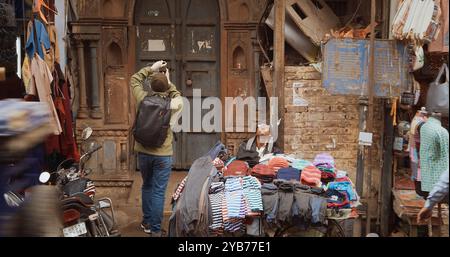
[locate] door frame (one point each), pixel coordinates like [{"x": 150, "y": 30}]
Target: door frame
[{"x": 132, "y": 63}]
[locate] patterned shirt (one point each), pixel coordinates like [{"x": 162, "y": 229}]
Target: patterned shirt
[{"x": 434, "y": 153}]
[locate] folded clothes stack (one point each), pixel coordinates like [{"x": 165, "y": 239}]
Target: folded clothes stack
[
  {"x": 311, "y": 176},
  {"x": 263, "y": 173},
  {"x": 237, "y": 168},
  {"x": 288, "y": 174},
  {"x": 278, "y": 163},
  {"x": 337, "y": 199},
  {"x": 325, "y": 163},
  {"x": 301, "y": 164}
]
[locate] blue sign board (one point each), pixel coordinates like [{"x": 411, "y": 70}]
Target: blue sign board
[{"x": 346, "y": 67}]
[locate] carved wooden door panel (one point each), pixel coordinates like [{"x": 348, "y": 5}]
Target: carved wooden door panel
[{"x": 185, "y": 33}]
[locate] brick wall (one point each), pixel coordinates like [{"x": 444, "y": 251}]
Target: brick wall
[{"x": 327, "y": 124}]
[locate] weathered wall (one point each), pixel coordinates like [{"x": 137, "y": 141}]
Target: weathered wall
[{"x": 327, "y": 124}]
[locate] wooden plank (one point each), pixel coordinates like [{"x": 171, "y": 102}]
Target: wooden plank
[
  {"x": 314, "y": 19},
  {"x": 279, "y": 66},
  {"x": 387, "y": 175}
]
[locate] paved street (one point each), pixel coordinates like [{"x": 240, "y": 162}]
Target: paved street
[{"x": 130, "y": 215}]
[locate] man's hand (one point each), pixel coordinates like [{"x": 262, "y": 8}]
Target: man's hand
[
  {"x": 424, "y": 215},
  {"x": 158, "y": 65},
  {"x": 168, "y": 76}
]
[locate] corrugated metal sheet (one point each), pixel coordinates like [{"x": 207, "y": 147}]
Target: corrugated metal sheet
[{"x": 346, "y": 67}]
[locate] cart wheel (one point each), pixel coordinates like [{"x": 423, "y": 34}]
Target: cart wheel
[{"x": 335, "y": 229}]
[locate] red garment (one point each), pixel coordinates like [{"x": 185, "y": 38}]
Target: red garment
[
  {"x": 65, "y": 143},
  {"x": 237, "y": 168}
]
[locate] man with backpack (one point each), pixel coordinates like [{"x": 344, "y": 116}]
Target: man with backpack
[{"x": 157, "y": 111}]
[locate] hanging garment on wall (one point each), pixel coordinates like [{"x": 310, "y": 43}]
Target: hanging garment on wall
[
  {"x": 52, "y": 56},
  {"x": 434, "y": 153},
  {"x": 65, "y": 143},
  {"x": 37, "y": 39},
  {"x": 41, "y": 80}
]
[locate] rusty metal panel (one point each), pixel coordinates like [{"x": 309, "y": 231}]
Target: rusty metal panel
[{"x": 345, "y": 67}]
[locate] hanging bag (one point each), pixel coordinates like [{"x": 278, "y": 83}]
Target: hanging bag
[{"x": 437, "y": 97}]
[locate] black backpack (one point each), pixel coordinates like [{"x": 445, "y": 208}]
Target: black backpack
[{"x": 152, "y": 121}]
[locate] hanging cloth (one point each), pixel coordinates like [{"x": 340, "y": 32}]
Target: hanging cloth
[
  {"x": 41, "y": 80},
  {"x": 37, "y": 38}
]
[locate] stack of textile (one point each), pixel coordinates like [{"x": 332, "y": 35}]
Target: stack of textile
[
  {"x": 236, "y": 168},
  {"x": 216, "y": 196},
  {"x": 311, "y": 176},
  {"x": 263, "y": 173},
  {"x": 277, "y": 163},
  {"x": 290, "y": 203},
  {"x": 325, "y": 163},
  {"x": 301, "y": 164},
  {"x": 288, "y": 174},
  {"x": 233, "y": 202}
]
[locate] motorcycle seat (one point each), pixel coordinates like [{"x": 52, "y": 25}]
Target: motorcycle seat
[{"x": 79, "y": 197}]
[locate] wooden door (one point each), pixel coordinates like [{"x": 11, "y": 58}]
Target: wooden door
[{"x": 185, "y": 33}]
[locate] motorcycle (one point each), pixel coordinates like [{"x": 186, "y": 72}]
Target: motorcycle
[{"x": 83, "y": 215}]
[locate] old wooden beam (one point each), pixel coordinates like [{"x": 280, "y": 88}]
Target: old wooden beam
[
  {"x": 387, "y": 174},
  {"x": 371, "y": 86},
  {"x": 279, "y": 68}
]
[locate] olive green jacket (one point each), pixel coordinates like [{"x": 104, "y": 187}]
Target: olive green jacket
[{"x": 137, "y": 88}]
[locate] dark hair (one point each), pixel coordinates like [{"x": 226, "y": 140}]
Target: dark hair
[{"x": 159, "y": 83}]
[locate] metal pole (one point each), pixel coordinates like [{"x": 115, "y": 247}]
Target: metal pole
[{"x": 371, "y": 107}]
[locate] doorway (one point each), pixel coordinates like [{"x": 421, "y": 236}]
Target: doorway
[{"x": 186, "y": 34}]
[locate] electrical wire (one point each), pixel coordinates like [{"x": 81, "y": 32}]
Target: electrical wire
[
  {"x": 354, "y": 14},
  {"x": 269, "y": 5}
]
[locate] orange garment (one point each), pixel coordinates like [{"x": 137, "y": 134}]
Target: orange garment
[{"x": 277, "y": 163}]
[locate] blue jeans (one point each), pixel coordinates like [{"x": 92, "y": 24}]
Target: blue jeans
[{"x": 155, "y": 171}]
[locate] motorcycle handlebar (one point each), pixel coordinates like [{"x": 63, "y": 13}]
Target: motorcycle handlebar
[{"x": 94, "y": 150}]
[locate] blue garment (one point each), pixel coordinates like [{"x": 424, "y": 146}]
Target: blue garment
[
  {"x": 289, "y": 174},
  {"x": 344, "y": 186},
  {"x": 155, "y": 171},
  {"x": 234, "y": 198},
  {"x": 42, "y": 39},
  {"x": 252, "y": 191}
]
